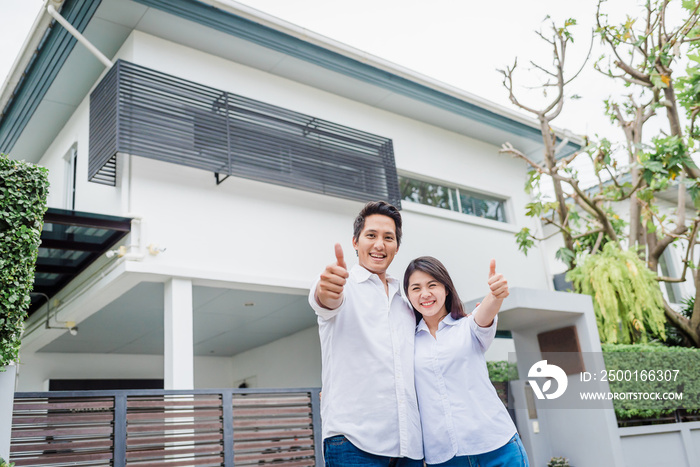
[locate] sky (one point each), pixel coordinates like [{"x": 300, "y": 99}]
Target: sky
[{"x": 460, "y": 42}]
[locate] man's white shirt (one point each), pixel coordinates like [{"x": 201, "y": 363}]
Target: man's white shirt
[{"x": 368, "y": 391}]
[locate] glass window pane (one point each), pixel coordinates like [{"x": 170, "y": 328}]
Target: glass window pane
[
  {"x": 454, "y": 201},
  {"x": 481, "y": 206},
  {"x": 425, "y": 193},
  {"x": 440, "y": 196},
  {"x": 671, "y": 287}
]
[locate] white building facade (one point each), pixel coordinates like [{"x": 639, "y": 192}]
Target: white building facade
[{"x": 208, "y": 289}]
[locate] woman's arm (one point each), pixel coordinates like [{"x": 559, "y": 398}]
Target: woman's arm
[{"x": 489, "y": 307}]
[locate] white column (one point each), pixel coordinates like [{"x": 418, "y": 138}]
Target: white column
[
  {"x": 7, "y": 395},
  {"x": 178, "y": 350}
]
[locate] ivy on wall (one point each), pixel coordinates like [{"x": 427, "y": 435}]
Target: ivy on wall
[{"x": 23, "y": 192}]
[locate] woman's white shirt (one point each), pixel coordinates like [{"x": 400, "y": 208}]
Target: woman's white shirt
[{"x": 460, "y": 411}]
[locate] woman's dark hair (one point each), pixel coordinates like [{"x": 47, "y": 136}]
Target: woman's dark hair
[
  {"x": 377, "y": 207},
  {"x": 435, "y": 268}
]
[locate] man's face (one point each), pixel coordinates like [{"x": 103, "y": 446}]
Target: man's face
[{"x": 376, "y": 245}]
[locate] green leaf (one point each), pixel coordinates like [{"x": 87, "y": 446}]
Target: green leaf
[
  {"x": 689, "y": 4},
  {"x": 524, "y": 240},
  {"x": 565, "y": 255}
]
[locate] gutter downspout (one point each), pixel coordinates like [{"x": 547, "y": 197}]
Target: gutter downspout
[{"x": 51, "y": 10}]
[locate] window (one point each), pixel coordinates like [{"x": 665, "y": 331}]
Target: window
[
  {"x": 666, "y": 265},
  {"x": 452, "y": 198},
  {"x": 69, "y": 177}
]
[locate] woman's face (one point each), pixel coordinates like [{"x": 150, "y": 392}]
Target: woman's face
[{"x": 426, "y": 294}]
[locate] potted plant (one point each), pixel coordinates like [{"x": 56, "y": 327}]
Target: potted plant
[
  {"x": 23, "y": 190},
  {"x": 558, "y": 462}
]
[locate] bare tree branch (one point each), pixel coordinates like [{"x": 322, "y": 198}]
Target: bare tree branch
[{"x": 507, "y": 148}]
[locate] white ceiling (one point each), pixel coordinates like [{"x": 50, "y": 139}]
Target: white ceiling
[{"x": 223, "y": 324}]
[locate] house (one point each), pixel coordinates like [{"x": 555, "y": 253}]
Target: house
[
  {"x": 204, "y": 159},
  {"x": 234, "y": 150}
]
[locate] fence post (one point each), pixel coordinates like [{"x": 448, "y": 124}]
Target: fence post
[
  {"x": 227, "y": 413},
  {"x": 316, "y": 420},
  {"x": 119, "y": 453}
]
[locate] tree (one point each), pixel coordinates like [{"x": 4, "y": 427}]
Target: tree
[
  {"x": 647, "y": 57},
  {"x": 644, "y": 56},
  {"x": 583, "y": 219}
]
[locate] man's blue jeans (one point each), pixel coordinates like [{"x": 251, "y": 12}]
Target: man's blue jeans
[
  {"x": 339, "y": 452},
  {"x": 511, "y": 454}
]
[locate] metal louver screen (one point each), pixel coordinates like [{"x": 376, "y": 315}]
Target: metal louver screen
[
  {"x": 139, "y": 428},
  {"x": 143, "y": 112}
]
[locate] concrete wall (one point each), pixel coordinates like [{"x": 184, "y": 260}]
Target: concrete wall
[
  {"x": 294, "y": 361},
  {"x": 676, "y": 444}
]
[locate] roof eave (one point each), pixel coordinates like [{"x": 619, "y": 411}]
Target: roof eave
[
  {"x": 414, "y": 84},
  {"x": 38, "y": 31}
]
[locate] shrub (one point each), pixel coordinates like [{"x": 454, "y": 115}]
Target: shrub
[
  {"x": 23, "y": 191},
  {"x": 502, "y": 371},
  {"x": 679, "y": 362},
  {"x": 558, "y": 462}
]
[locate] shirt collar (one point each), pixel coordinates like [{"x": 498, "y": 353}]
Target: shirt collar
[
  {"x": 446, "y": 321},
  {"x": 449, "y": 320},
  {"x": 362, "y": 274}
]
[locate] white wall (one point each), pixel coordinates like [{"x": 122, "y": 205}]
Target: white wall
[
  {"x": 36, "y": 369},
  {"x": 499, "y": 350},
  {"x": 294, "y": 361},
  {"x": 674, "y": 444}
]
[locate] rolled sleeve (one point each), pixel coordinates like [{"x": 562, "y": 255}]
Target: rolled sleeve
[
  {"x": 321, "y": 312},
  {"x": 484, "y": 335}
]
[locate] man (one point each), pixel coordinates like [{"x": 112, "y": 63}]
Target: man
[{"x": 368, "y": 409}]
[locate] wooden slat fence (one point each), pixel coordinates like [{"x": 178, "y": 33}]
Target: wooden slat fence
[{"x": 241, "y": 427}]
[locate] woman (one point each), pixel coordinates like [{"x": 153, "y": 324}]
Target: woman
[{"x": 464, "y": 422}]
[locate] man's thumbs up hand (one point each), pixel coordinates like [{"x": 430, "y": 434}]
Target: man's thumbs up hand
[
  {"x": 329, "y": 291},
  {"x": 339, "y": 257}
]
